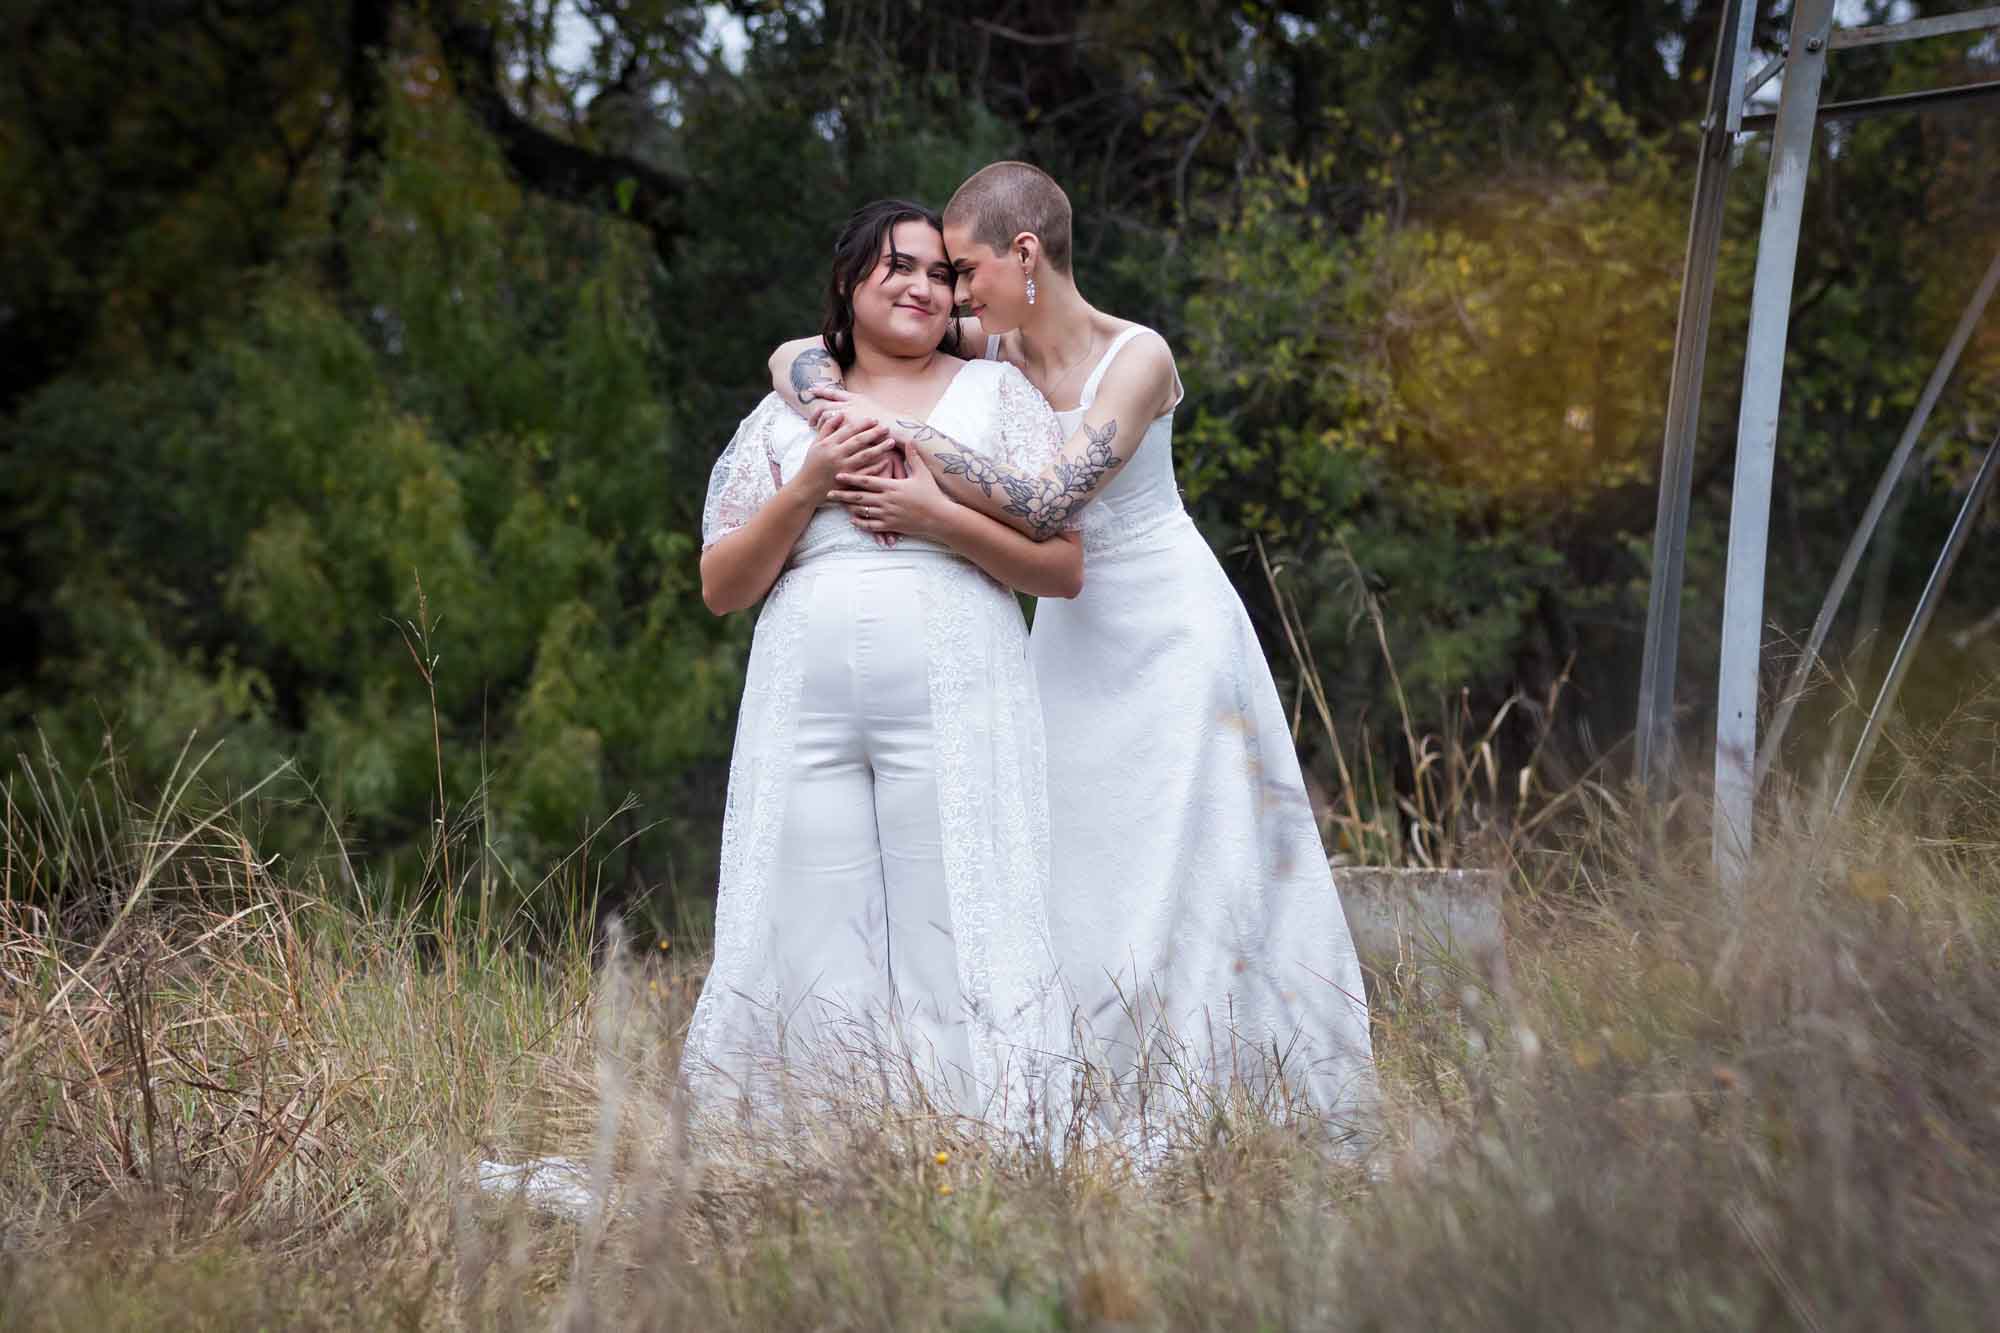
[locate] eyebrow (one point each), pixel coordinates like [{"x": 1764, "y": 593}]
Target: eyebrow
[{"x": 892, "y": 254}]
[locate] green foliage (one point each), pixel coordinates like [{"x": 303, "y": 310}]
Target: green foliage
[
  {"x": 286, "y": 332},
  {"x": 479, "y": 416},
  {"x": 1464, "y": 385},
  {"x": 809, "y": 132},
  {"x": 1458, "y": 398}
]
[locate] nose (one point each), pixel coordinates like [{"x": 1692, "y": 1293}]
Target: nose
[{"x": 961, "y": 289}]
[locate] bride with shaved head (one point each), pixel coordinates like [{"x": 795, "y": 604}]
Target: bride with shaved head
[{"x": 1191, "y": 905}]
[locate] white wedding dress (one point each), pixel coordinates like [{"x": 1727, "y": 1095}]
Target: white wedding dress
[
  {"x": 1191, "y": 905},
  {"x": 881, "y": 908}
]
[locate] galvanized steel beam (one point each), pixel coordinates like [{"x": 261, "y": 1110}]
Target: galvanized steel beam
[
  {"x": 1757, "y": 438},
  {"x": 1940, "y": 25},
  {"x": 1866, "y": 108},
  {"x": 1864, "y": 532},
  {"x": 1655, "y": 740},
  {"x": 1906, "y": 651}
]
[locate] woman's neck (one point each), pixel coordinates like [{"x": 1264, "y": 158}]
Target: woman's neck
[
  {"x": 1059, "y": 329},
  {"x": 875, "y": 364}
]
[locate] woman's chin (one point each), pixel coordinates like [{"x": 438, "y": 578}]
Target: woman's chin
[{"x": 905, "y": 339}]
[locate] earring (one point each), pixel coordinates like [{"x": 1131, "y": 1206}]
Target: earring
[{"x": 1031, "y": 291}]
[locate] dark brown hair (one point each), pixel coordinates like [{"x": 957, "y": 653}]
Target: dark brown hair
[{"x": 855, "y": 254}]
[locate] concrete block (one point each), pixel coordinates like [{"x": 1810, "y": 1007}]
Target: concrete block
[{"x": 1441, "y": 929}]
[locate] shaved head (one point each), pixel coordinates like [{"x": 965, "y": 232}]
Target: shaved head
[{"x": 1005, "y": 199}]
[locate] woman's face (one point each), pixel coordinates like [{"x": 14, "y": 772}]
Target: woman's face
[
  {"x": 905, "y": 301},
  {"x": 992, "y": 287}
]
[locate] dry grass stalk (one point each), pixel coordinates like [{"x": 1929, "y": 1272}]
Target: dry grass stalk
[{"x": 249, "y": 1104}]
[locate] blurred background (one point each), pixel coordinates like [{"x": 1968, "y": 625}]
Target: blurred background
[{"x": 362, "y": 365}]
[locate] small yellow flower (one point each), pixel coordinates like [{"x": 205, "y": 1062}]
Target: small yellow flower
[
  {"x": 944, "y": 1190},
  {"x": 665, "y": 945},
  {"x": 943, "y": 1158},
  {"x": 655, "y": 985}
]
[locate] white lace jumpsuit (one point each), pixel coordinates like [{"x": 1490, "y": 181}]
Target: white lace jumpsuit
[{"x": 885, "y": 848}]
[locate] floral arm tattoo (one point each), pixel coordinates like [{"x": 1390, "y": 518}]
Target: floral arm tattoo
[
  {"x": 1046, "y": 501},
  {"x": 814, "y": 369}
]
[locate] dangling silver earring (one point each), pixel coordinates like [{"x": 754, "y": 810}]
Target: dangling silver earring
[{"x": 1031, "y": 291}]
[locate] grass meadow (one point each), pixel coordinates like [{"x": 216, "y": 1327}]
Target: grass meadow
[{"x": 232, "y": 1099}]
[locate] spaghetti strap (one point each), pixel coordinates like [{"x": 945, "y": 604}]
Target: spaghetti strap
[{"x": 1089, "y": 394}]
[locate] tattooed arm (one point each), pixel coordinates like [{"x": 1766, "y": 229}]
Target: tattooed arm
[
  {"x": 1138, "y": 387},
  {"x": 1039, "y": 504},
  {"x": 916, "y": 506},
  {"x": 803, "y": 366},
  {"x": 799, "y": 369}
]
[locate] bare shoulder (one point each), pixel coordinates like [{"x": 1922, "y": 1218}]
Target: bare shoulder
[
  {"x": 789, "y": 350},
  {"x": 1143, "y": 367}
]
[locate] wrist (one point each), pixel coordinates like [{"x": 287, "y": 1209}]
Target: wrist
[
  {"x": 944, "y": 524},
  {"x": 800, "y": 494}
]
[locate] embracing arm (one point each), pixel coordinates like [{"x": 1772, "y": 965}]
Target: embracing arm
[
  {"x": 741, "y": 567},
  {"x": 1038, "y": 568},
  {"x": 800, "y": 367},
  {"x": 916, "y": 507},
  {"x": 1139, "y": 386},
  {"x": 757, "y": 519}
]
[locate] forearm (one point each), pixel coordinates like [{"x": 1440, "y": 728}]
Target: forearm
[
  {"x": 1038, "y": 568},
  {"x": 974, "y": 488},
  {"x": 737, "y": 571},
  {"x": 1037, "y": 504},
  {"x": 799, "y": 369}
]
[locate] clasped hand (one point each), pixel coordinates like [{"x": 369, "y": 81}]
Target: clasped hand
[
  {"x": 897, "y": 496},
  {"x": 846, "y": 447}
]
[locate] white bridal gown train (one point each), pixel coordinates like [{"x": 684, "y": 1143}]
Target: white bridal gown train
[{"x": 1191, "y": 904}]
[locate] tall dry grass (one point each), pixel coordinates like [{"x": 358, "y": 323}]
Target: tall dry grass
[{"x": 244, "y": 1103}]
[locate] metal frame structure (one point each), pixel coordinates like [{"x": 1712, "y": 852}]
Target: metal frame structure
[{"x": 1737, "y": 764}]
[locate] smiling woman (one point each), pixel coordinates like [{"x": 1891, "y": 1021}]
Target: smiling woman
[
  {"x": 891, "y": 268},
  {"x": 885, "y": 847},
  {"x": 1193, "y": 911}
]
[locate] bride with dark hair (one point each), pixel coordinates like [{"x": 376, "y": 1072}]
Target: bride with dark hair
[
  {"x": 1193, "y": 911},
  {"x": 885, "y": 844}
]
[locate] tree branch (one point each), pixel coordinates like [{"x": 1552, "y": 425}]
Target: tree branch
[
  {"x": 1001, "y": 30},
  {"x": 551, "y": 166}
]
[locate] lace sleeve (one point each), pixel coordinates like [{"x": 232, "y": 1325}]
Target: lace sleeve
[
  {"x": 744, "y": 477},
  {"x": 1030, "y": 437}
]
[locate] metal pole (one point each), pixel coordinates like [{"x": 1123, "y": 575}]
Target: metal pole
[
  {"x": 1655, "y": 758},
  {"x": 1961, "y": 529},
  {"x": 1757, "y": 438},
  {"x": 1899, "y": 463}
]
